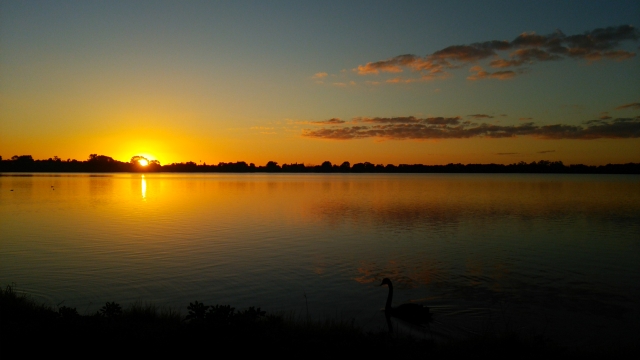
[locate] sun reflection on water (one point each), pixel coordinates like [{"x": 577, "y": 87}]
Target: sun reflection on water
[{"x": 144, "y": 188}]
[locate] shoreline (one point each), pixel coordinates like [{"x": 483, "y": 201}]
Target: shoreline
[{"x": 149, "y": 328}]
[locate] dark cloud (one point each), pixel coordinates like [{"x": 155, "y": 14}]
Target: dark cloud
[
  {"x": 534, "y": 40},
  {"x": 526, "y": 48},
  {"x": 394, "y": 120},
  {"x": 443, "y": 121},
  {"x": 522, "y": 56},
  {"x": 629, "y": 106},
  {"x": 602, "y": 38},
  {"x": 329, "y": 122},
  {"x": 395, "y": 65},
  {"x": 525, "y": 118},
  {"x": 452, "y": 128},
  {"x": 409, "y": 120},
  {"x": 480, "y": 74},
  {"x": 480, "y": 116},
  {"x": 619, "y": 55},
  {"x": 546, "y": 151},
  {"x": 466, "y": 53}
]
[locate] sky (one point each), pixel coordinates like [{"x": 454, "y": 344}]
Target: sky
[{"x": 388, "y": 82}]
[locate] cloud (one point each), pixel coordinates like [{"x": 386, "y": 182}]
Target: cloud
[
  {"x": 545, "y": 151},
  {"x": 396, "y": 64},
  {"x": 443, "y": 121},
  {"x": 525, "y": 49},
  {"x": 525, "y": 118},
  {"x": 408, "y": 128},
  {"x": 344, "y": 84},
  {"x": 507, "y": 153},
  {"x": 629, "y": 106},
  {"x": 481, "y": 74},
  {"x": 332, "y": 121},
  {"x": 319, "y": 75},
  {"x": 409, "y": 120},
  {"x": 400, "y": 120},
  {"x": 399, "y": 80},
  {"x": 481, "y": 116},
  {"x": 523, "y": 56}
]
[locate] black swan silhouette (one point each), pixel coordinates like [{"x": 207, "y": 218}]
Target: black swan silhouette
[{"x": 414, "y": 314}]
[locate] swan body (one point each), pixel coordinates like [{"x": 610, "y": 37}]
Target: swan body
[{"x": 414, "y": 314}]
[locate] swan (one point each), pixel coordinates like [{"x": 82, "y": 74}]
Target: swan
[{"x": 414, "y": 314}]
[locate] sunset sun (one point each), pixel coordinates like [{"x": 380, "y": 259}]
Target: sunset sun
[{"x": 140, "y": 160}]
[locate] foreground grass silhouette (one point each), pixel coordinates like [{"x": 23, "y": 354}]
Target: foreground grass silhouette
[{"x": 221, "y": 330}]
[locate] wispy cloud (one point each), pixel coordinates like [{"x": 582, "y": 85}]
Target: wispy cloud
[
  {"x": 545, "y": 151},
  {"x": 409, "y": 120},
  {"x": 629, "y": 106},
  {"x": 481, "y": 116},
  {"x": 344, "y": 84},
  {"x": 320, "y": 75},
  {"x": 480, "y": 74},
  {"x": 408, "y": 128},
  {"x": 525, "y": 49},
  {"x": 332, "y": 121}
]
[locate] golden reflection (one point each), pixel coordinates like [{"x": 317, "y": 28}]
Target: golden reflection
[{"x": 144, "y": 188}]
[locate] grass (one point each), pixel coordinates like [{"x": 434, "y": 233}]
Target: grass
[{"x": 148, "y": 329}]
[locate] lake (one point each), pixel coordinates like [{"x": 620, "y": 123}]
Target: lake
[{"x": 551, "y": 255}]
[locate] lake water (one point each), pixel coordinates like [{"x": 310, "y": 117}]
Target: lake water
[{"x": 552, "y": 255}]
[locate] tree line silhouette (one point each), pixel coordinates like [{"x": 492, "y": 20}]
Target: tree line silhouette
[{"x": 103, "y": 163}]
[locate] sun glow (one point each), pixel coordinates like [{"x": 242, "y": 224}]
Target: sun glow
[{"x": 143, "y": 162}]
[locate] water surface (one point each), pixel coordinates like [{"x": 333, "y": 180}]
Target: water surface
[{"x": 556, "y": 255}]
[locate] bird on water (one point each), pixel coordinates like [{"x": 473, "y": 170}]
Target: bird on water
[{"x": 414, "y": 314}]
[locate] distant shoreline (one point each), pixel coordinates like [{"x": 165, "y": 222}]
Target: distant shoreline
[{"x": 105, "y": 164}]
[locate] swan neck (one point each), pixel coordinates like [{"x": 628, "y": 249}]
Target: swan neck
[{"x": 389, "y": 297}]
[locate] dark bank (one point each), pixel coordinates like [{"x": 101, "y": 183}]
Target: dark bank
[{"x": 221, "y": 329}]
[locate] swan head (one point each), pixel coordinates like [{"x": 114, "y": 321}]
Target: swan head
[{"x": 386, "y": 281}]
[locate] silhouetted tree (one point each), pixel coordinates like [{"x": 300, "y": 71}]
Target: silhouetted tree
[
  {"x": 101, "y": 158},
  {"x": 273, "y": 166},
  {"x": 22, "y": 158},
  {"x": 359, "y": 167},
  {"x": 369, "y": 167}
]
